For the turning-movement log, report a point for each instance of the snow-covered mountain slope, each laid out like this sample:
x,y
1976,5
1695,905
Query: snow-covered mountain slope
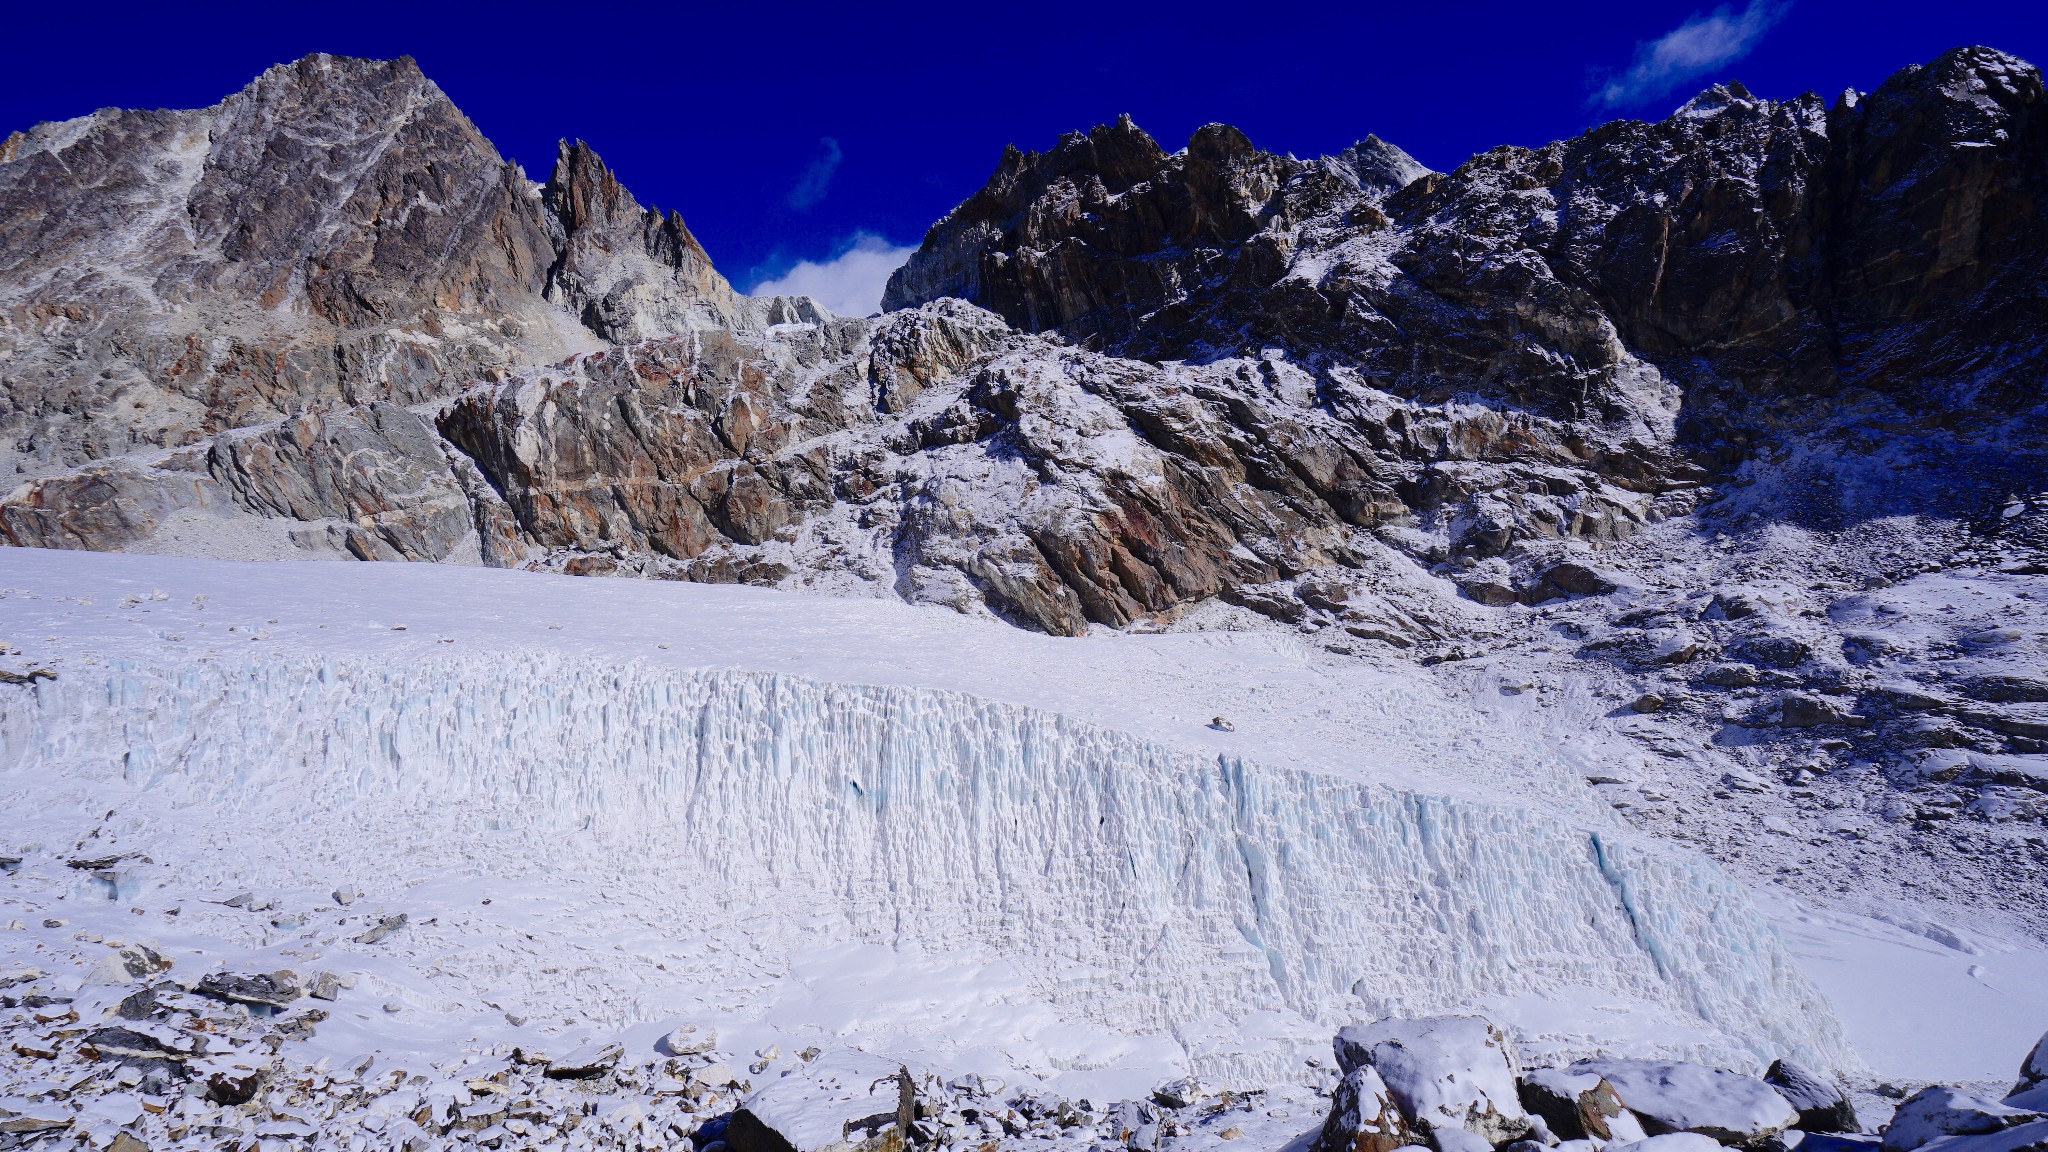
x,y
1131,885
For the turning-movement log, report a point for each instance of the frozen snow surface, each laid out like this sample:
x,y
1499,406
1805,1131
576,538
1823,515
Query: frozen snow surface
x,y
608,808
1921,1009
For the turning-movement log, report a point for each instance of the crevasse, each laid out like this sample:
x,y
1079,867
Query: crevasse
x,y
1141,886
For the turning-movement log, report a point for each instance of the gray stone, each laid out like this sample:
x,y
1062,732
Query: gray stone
x,y
1801,710
690,1040
273,990
1577,1105
586,1063
383,929
1445,1072
1673,1096
1822,1105
1939,1111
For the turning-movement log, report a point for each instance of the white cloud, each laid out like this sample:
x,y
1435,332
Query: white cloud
x,y
1694,48
850,283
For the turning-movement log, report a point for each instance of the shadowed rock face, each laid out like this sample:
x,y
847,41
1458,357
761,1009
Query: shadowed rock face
x,y
1114,383
1752,253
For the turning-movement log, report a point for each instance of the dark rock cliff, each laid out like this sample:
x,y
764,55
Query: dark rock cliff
x,y
1756,256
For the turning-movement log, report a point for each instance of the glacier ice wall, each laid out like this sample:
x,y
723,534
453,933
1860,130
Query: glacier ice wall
x,y
1141,886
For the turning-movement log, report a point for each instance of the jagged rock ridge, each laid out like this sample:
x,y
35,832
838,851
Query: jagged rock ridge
x,y
335,233
1206,371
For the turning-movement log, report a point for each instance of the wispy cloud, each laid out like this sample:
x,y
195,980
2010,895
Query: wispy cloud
x,y
1694,48
850,283
810,187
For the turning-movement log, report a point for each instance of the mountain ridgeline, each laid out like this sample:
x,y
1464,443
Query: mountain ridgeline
x,y
325,317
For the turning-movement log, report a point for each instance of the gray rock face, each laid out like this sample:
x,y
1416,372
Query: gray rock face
x,y
337,232
377,472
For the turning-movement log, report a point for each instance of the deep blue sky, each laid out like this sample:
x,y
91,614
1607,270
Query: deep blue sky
x,y
782,130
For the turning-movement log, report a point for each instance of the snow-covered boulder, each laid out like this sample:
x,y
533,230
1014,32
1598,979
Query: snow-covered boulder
x,y
586,1063
690,1040
1836,1142
844,1102
1460,1140
1364,1117
1672,1096
1933,1113
1822,1105
2034,1098
2034,1069
1576,1105
2018,1138
1670,1142
1448,1074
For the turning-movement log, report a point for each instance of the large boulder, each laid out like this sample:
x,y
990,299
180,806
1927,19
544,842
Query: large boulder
x,y
2034,1098
1364,1117
1822,1105
1578,1105
2018,1138
1671,1096
1448,1074
1670,1142
272,992
2034,1069
843,1102
589,1062
1933,1113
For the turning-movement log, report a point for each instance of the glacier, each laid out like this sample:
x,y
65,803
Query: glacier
x,y
1141,887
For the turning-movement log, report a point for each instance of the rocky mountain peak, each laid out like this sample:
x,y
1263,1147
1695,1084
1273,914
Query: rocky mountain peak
x,y
583,192
1939,186
1118,155
629,273
324,179
1379,168
1035,244
335,231
1716,100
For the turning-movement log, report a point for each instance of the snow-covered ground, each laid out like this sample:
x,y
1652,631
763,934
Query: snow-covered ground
x,y
612,807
